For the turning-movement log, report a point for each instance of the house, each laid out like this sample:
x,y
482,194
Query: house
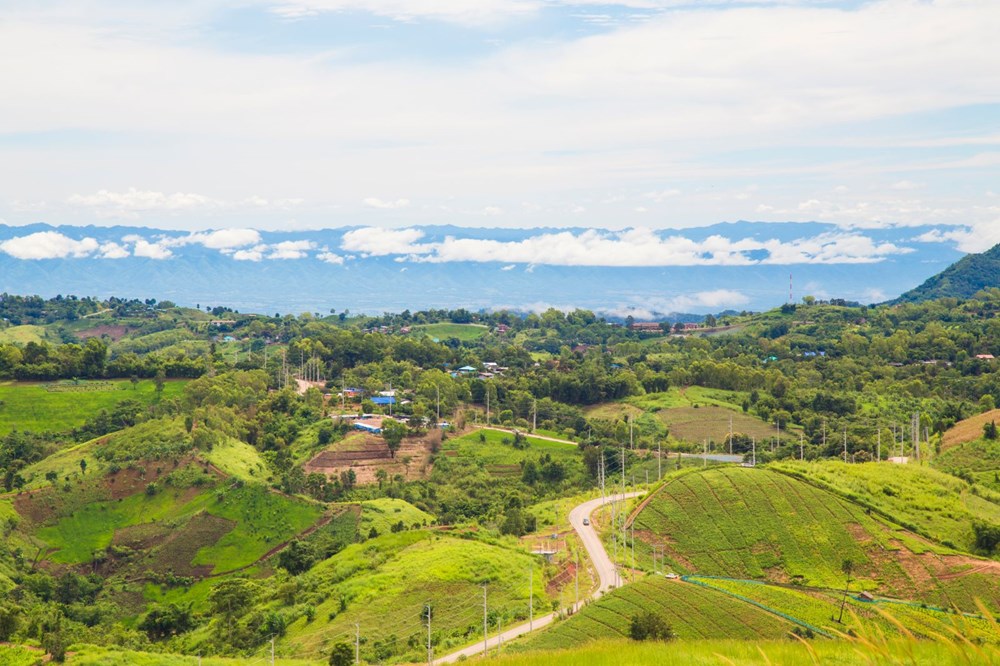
x,y
371,424
985,357
466,370
352,392
646,326
383,400
490,366
502,328
691,327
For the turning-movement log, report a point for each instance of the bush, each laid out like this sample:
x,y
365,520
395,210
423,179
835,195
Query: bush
x,y
649,627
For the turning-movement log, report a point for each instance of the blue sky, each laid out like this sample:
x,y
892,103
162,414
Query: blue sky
x,y
300,114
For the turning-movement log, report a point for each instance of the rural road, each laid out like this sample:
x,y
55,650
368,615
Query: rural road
x,y
598,555
526,434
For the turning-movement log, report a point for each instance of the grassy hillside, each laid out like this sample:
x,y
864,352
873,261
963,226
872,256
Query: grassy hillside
x,y
57,406
927,501
383,585
969,429
692,612
758,524
385,513
962,279
464,332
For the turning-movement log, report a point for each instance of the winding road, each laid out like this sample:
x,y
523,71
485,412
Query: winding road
x,y
603,565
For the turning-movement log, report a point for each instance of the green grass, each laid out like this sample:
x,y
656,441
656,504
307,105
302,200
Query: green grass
x,y
15,655
22,335
924,500
691,611
90,655
59,406
385,583
264,520
385,512
496,448
759,653
238,459
752,523
464,332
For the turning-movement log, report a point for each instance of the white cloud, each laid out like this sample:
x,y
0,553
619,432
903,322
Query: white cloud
x,y
133,201
508,267
143,248
479,12
290,249
375,242
48,245
374,202
112,250
631,247
224,239
975,238
250,254
331,258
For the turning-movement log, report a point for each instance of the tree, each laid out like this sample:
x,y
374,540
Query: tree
x,y
8,623
342,654
296,558
232,597
167,620
393,433
83,465
381,475
990,430
649,627
847,566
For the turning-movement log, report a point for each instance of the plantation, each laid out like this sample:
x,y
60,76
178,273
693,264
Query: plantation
x,y
385,514
691,612
752,523
924,500
497,448
57,406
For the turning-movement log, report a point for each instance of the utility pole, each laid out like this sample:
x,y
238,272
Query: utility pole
x,y
802,446
429,658
576,582
437,397
879,449
845,444
485,629
753,454
534,414
730,434
704,455
531,598
272,650
916,436
659,461
499,634
487,404
631,441
622,512
357,643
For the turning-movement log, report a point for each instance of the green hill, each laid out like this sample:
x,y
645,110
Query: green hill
x,y
759,524
692,612
962,279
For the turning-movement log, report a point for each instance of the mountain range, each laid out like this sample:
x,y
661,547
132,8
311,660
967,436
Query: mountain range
x,y
645,273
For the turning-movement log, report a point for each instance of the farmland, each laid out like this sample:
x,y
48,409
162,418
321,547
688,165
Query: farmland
x,y
931,503
968,429
58,406
692,612
749,523
464,332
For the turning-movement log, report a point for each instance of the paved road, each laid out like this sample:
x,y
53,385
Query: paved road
x,y
598,556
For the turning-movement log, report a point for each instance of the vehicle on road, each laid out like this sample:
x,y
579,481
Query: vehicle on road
x,y
586,521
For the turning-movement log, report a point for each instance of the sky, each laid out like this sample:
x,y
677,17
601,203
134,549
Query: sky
x,y
638,114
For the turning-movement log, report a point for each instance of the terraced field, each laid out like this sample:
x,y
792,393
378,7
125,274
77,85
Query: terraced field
x,y
761,525
692,612
924,500
751,523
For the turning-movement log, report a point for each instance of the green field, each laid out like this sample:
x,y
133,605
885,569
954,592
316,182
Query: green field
x,y
185,520
691,611
22,335
238,459
385,582
385,512
58,406
464,332
752,523
924,500
496,448
868,651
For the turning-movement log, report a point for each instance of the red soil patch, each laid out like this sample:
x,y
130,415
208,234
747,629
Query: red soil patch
x,y
371,454
115,333
562,579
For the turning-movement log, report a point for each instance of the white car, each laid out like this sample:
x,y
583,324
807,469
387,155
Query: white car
x,y
586,521
672,576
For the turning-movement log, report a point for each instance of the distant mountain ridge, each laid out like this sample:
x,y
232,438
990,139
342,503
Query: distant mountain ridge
x,y
727,266
963,279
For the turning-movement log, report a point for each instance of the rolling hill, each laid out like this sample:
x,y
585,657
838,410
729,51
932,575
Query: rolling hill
x,y
962,279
